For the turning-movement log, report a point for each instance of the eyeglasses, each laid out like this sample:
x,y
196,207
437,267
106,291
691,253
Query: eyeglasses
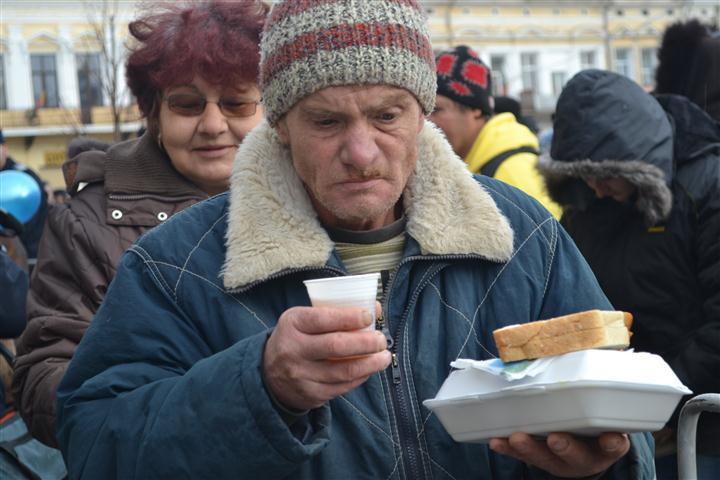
x,y
191,105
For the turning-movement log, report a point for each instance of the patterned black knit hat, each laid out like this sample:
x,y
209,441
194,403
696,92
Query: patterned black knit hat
x,y
463,77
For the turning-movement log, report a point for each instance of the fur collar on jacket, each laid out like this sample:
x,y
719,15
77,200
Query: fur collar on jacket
x,y
272,225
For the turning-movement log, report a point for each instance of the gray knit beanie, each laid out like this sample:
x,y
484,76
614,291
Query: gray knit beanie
x,y
308,45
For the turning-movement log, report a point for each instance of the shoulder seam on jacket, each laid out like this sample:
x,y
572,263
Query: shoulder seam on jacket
x,y
187,260
522,210
150,264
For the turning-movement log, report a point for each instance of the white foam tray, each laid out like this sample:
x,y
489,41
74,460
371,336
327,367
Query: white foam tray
x,y
586,393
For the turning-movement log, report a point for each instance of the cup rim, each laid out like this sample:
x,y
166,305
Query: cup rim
x,y
359,277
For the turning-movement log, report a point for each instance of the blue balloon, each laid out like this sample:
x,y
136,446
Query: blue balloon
x,y
19,195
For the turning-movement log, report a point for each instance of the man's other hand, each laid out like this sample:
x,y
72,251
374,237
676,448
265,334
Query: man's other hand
x,y
565,455
318,353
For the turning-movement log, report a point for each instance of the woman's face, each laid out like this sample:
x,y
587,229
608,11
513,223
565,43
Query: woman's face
x,y
202,142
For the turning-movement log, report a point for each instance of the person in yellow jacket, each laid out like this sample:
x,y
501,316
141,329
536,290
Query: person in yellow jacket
x,y
492,145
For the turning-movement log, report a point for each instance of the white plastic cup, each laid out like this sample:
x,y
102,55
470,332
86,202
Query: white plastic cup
x,y
348,291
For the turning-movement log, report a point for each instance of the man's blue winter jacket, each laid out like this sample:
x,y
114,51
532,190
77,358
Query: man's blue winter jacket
x,y
167,381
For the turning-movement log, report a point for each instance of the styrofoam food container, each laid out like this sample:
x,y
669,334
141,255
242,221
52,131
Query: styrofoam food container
x,y
585,393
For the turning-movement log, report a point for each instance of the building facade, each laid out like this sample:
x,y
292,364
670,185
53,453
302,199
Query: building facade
x,y
534,47
57,58
61,76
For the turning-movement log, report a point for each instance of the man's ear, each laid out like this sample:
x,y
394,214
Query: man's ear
x,y
282,131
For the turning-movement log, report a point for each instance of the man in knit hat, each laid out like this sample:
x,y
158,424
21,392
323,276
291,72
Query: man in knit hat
x,y
496,145
206,359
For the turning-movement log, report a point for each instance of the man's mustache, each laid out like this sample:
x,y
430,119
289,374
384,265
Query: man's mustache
x,y
355,175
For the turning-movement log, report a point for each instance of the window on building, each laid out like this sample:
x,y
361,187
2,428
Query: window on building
x,y
558,82
648,60
529,67
44,75
89,79
3,96
497,67
587,59
623,62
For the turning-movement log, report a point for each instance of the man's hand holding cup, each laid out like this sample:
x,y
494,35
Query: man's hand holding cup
x,y
318,353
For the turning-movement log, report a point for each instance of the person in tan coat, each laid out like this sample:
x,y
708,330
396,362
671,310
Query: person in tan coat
x,y
194,72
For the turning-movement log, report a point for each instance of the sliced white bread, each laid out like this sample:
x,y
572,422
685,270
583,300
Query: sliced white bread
x,y
569,333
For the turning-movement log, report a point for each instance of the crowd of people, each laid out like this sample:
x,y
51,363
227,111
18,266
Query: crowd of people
x,y
161,328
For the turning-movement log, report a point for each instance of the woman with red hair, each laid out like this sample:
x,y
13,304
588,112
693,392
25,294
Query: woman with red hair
x,y
193,70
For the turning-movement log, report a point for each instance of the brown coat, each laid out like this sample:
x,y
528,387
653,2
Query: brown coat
x,y
116,198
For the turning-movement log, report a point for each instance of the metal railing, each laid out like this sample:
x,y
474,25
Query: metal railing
x,y
687,428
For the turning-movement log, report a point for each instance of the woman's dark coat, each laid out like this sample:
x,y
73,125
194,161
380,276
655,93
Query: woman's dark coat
x,y
117,196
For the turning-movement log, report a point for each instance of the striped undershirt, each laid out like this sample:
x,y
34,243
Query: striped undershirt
x,y
371,251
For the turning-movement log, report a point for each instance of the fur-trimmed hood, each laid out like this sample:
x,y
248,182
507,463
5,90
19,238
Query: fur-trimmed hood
x,y
565,185
607,126
272,226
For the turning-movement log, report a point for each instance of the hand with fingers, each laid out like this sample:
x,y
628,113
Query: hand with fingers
x,y
563,454
318,353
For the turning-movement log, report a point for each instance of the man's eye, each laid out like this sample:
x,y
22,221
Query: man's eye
x,y
387,116
325,122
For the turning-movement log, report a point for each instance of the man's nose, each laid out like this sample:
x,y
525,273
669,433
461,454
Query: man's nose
x,y
360,147
597,186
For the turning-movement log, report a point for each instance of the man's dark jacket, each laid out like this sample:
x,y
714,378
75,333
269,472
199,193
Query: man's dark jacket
x,y
657,256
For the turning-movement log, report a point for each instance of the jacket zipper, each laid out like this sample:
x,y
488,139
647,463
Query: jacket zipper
x,y
142,196
409,441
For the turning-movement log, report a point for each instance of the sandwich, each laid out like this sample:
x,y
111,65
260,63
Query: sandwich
x,y
569,333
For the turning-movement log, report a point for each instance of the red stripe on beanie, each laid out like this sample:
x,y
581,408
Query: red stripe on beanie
x,y
344,36
475,73
294,7
445,64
